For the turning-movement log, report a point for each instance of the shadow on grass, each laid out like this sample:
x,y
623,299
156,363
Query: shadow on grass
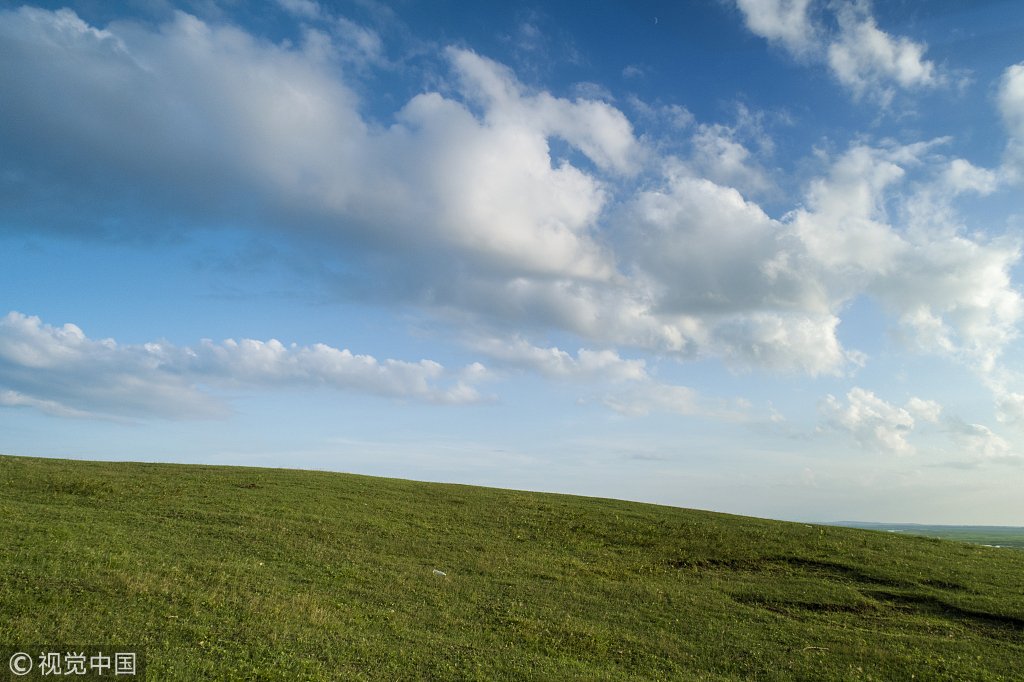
x,y
937,607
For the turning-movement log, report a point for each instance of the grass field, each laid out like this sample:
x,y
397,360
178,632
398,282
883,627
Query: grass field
x,y
256,574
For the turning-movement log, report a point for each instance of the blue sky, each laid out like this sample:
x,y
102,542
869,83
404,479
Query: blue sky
x,y
755,256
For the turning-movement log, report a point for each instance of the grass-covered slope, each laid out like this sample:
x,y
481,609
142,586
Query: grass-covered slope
x,y
236,573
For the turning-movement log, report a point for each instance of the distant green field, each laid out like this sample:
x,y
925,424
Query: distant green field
x,y
991,536
228,573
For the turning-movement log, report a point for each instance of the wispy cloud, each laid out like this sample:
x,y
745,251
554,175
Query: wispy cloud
x,y
559,365
978,442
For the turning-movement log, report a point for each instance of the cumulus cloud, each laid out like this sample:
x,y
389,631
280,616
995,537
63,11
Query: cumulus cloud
x,y
951,291
734,283
957,296
62,372
701,243
706,273
873,423
862,57
467,210
844,226
877,425
171,114
801,342
712,264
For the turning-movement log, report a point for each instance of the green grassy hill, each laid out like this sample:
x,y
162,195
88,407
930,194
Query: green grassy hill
x,y
257,574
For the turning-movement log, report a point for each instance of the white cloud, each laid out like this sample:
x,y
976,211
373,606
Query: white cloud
x,y
701,244
652,396
978,441
353,44
783,21
50,407
253,119
60,369
258,365
715,276
720,157
873,423
878,425
357,44
465,213
307,9
1010,409
679,400
559,365
1011,106
865,59
589,90
489,191
674,115
925,410
953,292
61,372
710,265
641,394
784,342
962,176
597,129
633,71
957,296
845,228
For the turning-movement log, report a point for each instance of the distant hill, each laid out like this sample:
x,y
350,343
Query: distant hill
x,y
232,573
